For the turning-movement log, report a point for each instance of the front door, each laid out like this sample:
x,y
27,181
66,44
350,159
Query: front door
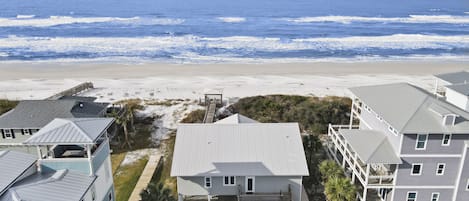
x,y
250,185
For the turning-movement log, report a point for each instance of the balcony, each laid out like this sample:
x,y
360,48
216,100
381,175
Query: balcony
x,y
75,157
365,154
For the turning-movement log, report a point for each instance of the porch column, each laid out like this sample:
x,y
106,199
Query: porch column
x,y
367,173
365,191
353,177
209,197
351,114
39,155
88,152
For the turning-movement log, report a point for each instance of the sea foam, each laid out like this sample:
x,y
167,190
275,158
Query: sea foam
x,y
448,19
63,20
177,44
232,19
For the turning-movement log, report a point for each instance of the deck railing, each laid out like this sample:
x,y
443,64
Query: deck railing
x,y
350,157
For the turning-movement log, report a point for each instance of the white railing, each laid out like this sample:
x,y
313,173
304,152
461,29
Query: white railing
x,y
351,158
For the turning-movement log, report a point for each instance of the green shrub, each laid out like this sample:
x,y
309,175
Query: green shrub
x,y
312,113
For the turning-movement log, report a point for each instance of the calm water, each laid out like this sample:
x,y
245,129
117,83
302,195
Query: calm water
x,y
195,31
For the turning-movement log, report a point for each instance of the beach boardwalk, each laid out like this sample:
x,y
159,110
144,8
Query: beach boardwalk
x,y
145,177
213,99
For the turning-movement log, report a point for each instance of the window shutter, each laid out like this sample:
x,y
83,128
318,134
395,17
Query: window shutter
x,y
3,134
13,134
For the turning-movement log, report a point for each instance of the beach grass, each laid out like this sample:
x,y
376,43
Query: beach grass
x,y
116,160
126,178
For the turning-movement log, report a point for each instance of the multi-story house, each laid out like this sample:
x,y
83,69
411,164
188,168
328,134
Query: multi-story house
x,y
239,159
73,163
20,123
404,144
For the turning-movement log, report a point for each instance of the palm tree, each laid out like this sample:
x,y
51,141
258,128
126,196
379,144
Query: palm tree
x,y
156,193
340,189
330,169
122,120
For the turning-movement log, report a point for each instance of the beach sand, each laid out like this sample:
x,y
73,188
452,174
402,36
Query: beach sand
x,y
189,81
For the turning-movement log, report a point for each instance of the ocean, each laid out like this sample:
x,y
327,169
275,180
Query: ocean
x,y
233,31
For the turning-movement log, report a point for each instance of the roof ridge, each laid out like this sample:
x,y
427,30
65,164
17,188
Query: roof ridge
x,y
377,147
81,130
415,111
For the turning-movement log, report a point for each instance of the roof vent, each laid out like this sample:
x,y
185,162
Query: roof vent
x,y
81,105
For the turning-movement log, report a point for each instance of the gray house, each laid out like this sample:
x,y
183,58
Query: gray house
x,y
404,144
74,166
239,158
18,124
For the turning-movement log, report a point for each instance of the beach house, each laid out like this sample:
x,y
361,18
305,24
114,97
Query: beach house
x,y
404,143
73,164
20,123
238,158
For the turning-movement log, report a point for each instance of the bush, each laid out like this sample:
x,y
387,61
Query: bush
x,y
312,113
6,105
196,116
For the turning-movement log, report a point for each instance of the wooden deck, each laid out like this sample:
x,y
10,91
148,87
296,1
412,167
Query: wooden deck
x,y
72,91
210,112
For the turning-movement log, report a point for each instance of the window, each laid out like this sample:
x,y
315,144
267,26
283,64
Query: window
x,y
440,169
446,140
229,181
110,196
449,120
416,169
411,196
8,134
421,141
26,132
435,196
208,182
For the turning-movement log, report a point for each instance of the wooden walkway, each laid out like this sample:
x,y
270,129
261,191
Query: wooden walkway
x,y
72,91
145,177
210,112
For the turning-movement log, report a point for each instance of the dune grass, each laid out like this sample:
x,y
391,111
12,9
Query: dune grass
x,y
126,177
116,160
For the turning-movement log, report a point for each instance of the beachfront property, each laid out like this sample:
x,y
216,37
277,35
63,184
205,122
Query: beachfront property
x,y
404,143
238,158
75,165
20,123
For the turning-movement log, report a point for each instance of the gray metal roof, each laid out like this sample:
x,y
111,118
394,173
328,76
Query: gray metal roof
x,y
70,131
260,149
461,77
410,109
371,146
460,88
38,113
236,119
12,166
52,186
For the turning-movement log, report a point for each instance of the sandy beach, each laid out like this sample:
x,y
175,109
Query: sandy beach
x,y
189,81
46,70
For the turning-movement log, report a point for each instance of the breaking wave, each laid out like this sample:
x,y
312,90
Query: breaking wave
x,y
449,19
232,19
189,42
29,20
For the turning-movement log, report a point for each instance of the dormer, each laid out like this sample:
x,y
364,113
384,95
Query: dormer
x,y
448,118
